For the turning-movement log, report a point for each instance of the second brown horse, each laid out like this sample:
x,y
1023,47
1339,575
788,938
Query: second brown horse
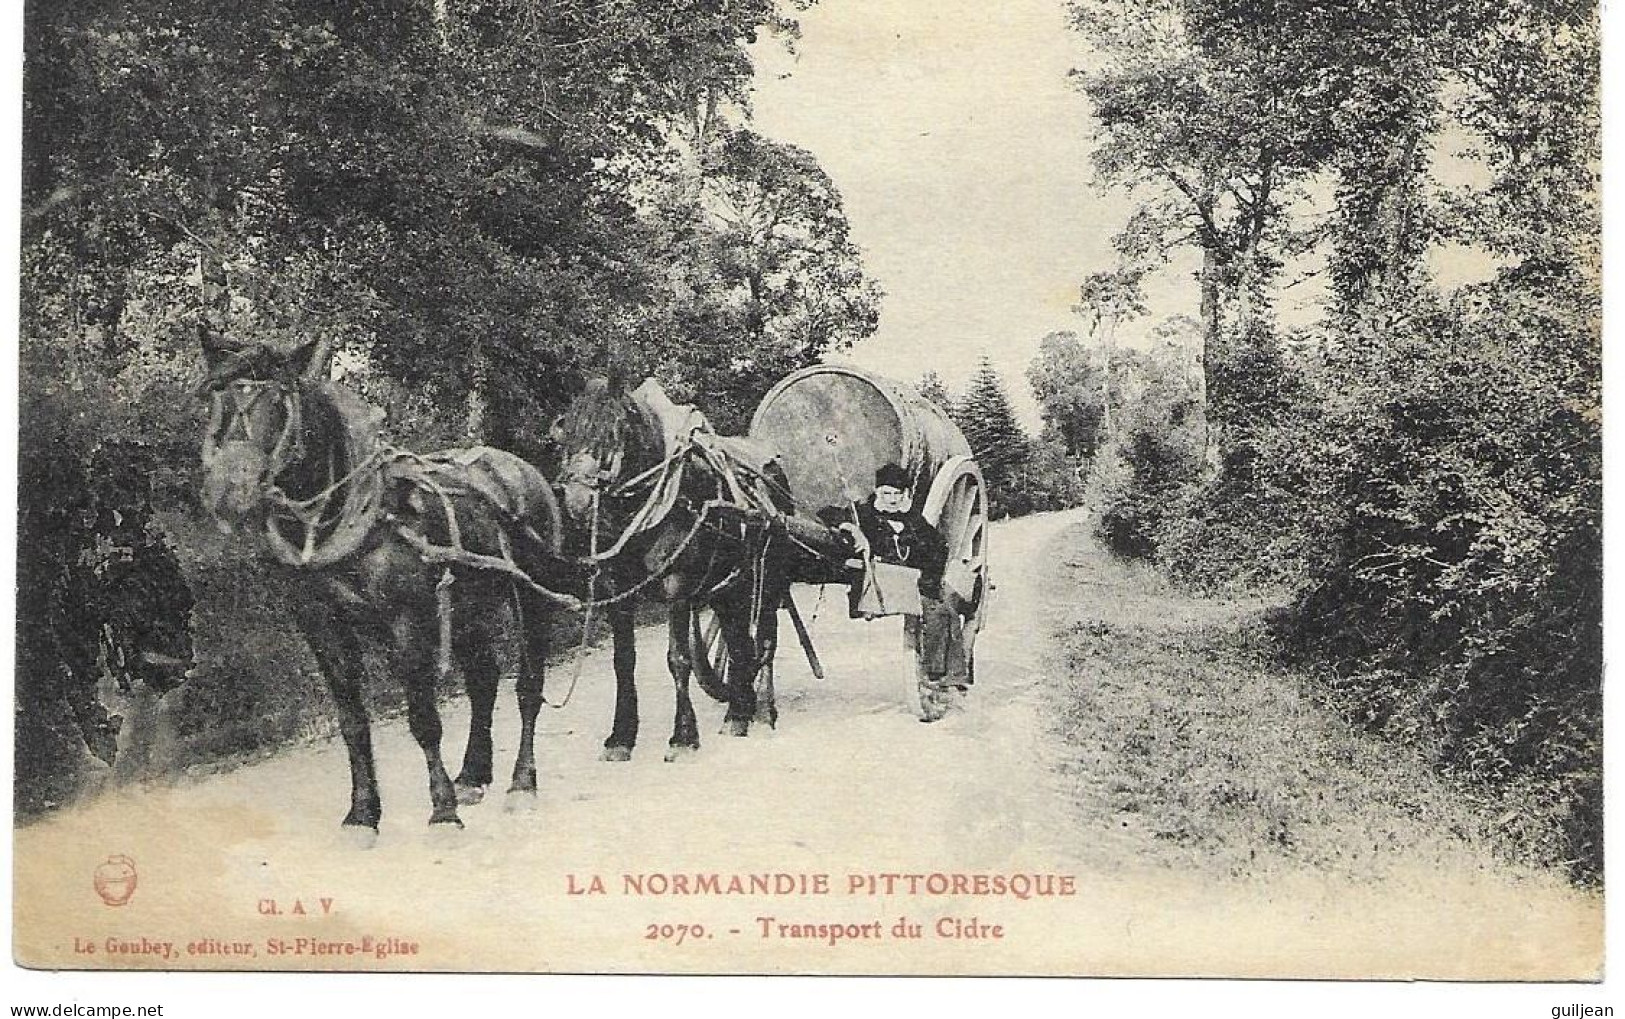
x,y
655,515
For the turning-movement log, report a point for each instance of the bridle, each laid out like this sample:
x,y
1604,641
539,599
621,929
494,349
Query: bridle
x,y
231,419
323,523
601,482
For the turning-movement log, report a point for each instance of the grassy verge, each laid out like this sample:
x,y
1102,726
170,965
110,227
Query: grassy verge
x,y
1184,734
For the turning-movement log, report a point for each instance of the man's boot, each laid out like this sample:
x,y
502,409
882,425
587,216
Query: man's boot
x,y
935,698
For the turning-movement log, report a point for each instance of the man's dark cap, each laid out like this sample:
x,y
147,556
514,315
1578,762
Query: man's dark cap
x,y
893,476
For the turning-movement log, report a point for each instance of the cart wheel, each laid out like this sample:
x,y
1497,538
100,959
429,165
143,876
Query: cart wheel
x,y
957,506
708,652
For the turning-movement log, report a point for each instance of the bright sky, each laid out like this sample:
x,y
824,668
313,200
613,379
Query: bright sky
x,y
962,151
963,155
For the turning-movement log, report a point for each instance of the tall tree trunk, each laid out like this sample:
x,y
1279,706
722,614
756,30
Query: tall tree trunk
x,y
442,17
1378,262
478,401
1107,349
1212,311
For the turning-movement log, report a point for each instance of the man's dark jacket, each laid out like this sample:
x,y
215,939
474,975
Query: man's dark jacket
x,y
917,545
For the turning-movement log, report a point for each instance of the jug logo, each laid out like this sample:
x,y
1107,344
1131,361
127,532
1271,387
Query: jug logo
x,y
114,880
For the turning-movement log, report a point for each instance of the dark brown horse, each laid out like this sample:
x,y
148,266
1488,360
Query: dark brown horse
x,y
659,516
422,552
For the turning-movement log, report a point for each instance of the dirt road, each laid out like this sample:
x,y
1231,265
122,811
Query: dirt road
x,y
850,787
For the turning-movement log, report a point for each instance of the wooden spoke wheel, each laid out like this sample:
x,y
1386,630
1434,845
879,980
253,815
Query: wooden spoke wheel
x,y
707,649
957,506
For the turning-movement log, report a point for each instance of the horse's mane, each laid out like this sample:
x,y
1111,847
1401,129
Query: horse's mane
x,y
597,421
325,439
336,502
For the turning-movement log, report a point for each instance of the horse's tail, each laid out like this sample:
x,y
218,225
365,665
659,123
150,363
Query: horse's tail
x,y
709,679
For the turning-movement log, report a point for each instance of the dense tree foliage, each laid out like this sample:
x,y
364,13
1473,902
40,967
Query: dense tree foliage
x,y
480,199
934,389
1152,452
1421,468
767,278
1071,392
1215,114
472,204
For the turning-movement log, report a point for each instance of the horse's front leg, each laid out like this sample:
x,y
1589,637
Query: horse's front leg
x,y
624,736
767,644
533,634
734,614
416,631
338,655
685,730
476,653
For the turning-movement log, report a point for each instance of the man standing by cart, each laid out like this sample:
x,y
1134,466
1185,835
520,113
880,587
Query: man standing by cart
x,y
887,528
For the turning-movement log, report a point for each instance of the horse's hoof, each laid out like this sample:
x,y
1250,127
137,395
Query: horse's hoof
x,y
768,718
468,795
680,752
446,819
736,726
616,754
521,801
360,836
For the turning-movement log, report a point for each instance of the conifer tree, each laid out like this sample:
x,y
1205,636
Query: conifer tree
x,y
1000,444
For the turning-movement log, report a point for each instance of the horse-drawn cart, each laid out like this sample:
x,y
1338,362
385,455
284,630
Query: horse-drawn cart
x,y
829,427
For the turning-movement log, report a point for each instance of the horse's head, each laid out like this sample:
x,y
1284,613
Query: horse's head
x,y
592,437
255,429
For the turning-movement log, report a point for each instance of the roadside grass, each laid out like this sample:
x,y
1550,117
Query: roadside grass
x,y
1180,730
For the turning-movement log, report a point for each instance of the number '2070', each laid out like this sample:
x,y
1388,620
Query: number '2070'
x,y
675,932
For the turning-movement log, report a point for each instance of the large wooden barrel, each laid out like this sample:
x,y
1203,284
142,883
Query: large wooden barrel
x,y
831,426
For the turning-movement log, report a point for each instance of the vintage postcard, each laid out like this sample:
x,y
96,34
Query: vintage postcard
x,y
926,487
